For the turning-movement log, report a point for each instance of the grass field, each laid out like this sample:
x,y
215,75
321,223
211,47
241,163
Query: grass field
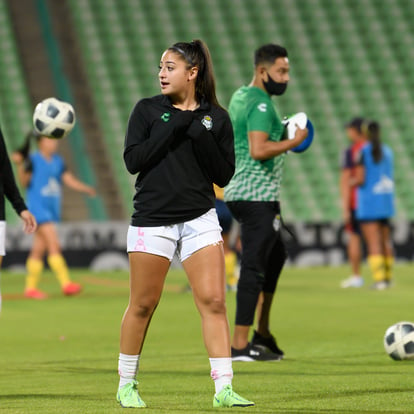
x,y
60,355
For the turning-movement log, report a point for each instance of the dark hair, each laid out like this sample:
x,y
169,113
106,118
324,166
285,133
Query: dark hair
x,y
24,149
269,53
196,53
372,131
356,123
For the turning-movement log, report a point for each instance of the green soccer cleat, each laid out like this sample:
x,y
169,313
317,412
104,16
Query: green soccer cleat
x,y
228,398
128,396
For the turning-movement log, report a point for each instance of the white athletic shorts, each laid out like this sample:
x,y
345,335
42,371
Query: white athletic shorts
x,y
2,238
183,238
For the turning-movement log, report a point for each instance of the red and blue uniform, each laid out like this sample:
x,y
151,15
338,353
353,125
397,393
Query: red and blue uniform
x,y
350,161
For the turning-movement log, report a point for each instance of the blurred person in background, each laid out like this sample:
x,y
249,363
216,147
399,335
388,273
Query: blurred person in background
x,y
179,142
9,190
253,198
226,222
349,201
43,173
374,179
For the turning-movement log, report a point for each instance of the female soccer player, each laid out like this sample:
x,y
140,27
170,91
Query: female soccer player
x,y
43,173
349,201
374,177
8,188
180,143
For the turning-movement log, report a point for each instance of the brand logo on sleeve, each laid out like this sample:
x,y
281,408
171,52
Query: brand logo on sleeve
x,y
207,121
262,107
165,116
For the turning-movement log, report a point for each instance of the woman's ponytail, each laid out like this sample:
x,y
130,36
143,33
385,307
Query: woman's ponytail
x,y
196,53
372,130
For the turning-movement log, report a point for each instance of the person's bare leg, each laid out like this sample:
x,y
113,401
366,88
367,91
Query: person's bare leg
x,y
34,266
354,253
50,236
39,245
147,276
240,336
388,251
387,247
372,236
205,271
264,306
55,259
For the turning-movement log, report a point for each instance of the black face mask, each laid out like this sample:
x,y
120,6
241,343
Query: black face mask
x,y
274,88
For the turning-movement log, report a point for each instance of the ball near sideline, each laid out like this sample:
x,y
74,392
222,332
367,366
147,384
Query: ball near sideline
x,y
399,341
54,118
302,121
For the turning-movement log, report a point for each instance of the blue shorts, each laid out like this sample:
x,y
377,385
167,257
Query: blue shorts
x,y
224,216
45,213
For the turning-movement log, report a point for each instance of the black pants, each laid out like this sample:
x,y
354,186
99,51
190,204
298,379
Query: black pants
x,y
263,254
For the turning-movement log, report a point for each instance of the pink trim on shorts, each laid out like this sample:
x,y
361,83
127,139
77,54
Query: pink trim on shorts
x,y
140,244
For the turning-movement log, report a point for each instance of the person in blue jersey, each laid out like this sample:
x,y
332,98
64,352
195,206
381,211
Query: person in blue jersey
x,y
43,173
374,178
9,190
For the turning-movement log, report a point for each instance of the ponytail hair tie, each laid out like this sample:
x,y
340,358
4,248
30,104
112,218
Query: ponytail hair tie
x,y
182,53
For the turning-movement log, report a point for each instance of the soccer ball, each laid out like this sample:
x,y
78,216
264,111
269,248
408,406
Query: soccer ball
x,y
53,118
399,341
300,119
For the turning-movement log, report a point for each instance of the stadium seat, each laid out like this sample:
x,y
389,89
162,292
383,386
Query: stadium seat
x,y
343,55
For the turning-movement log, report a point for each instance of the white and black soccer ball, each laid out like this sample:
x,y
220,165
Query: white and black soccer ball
x,y
399,341
53,118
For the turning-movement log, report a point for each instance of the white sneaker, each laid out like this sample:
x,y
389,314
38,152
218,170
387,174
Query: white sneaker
x,y
352,282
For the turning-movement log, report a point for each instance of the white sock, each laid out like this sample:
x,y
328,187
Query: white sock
x,y
127,368
221,372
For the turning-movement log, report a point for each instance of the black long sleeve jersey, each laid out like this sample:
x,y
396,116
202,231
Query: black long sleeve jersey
x,y
178,155
8,187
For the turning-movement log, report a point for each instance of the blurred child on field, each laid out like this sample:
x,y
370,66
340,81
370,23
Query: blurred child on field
x,y
43,172
374,178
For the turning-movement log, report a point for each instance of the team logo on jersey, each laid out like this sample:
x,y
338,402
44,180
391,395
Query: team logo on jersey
x,y
207,121
51,189
262,107
384,186
165,116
